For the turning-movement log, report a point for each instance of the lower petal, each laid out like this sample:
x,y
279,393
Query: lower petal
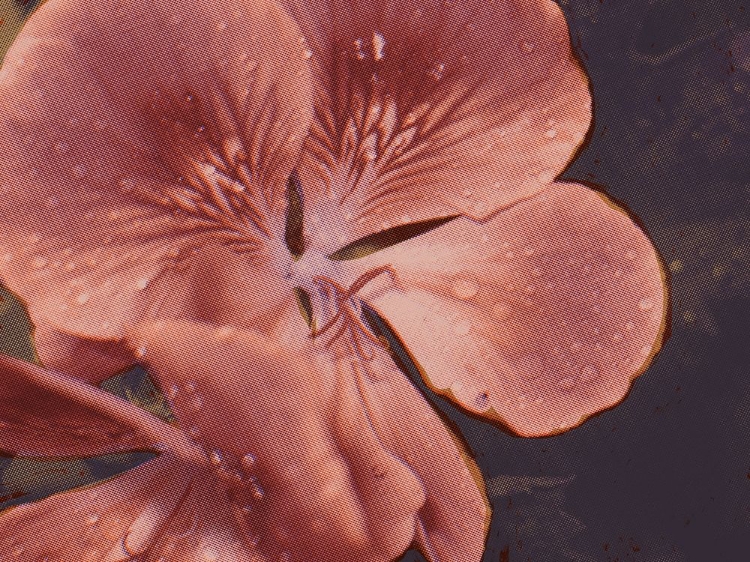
x,y
162,509
314,480
454,520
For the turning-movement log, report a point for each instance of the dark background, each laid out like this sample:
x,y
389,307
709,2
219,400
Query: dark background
x,y
665,476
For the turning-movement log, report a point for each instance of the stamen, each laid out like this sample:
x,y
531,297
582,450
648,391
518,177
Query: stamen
x,y
348,311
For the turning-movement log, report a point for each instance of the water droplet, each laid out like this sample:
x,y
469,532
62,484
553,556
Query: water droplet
x,y
7,257
79,171
92,519
257,491
216,458
589,373
646,304
209,555
140,351
646,350
550,133
567,383
224,333
196,402
248,462
82,298
462,327
465,288
501,311
378,43
358,49
307,54
527,47
546,176
482,400
142,283
126,185
39,262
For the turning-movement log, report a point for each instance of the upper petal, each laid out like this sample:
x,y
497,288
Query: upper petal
x,y
539,317
428,108
139,142
316,480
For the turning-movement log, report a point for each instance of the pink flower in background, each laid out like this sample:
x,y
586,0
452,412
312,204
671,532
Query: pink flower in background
x,y
181,179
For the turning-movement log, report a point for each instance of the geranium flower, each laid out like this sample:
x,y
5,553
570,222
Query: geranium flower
x,y
182,179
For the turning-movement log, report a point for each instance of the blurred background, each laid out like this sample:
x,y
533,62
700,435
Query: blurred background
x,y
665,476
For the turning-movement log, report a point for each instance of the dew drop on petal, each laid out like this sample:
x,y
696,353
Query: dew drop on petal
x,y
646,304
307,54
82,298
589,373
378,43
567,383
482,400
462,327
248,461
550,133
527,47
501,311
142,283
39,262
92,519
209,555
465,288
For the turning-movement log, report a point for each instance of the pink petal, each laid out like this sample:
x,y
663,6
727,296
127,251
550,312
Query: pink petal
x,y
429,108
456,516
317,482
139,141
159,510
89,360
538,318
44,413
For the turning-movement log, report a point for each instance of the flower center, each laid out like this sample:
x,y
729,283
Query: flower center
x,y
336,310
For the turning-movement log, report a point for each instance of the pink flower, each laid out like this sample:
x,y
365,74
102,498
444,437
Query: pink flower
x,y
180,177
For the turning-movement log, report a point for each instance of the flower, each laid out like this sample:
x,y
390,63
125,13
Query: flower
x,y
180,178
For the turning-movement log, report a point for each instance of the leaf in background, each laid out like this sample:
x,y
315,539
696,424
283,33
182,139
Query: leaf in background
x,y
136,387
15,328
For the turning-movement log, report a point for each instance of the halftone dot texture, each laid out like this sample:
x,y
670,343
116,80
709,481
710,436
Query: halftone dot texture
x,y
147,224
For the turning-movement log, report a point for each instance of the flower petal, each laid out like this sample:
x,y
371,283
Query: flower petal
x,y
43,413
454,521
138,141
160,510
316,481
429,108
538,318
89,360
